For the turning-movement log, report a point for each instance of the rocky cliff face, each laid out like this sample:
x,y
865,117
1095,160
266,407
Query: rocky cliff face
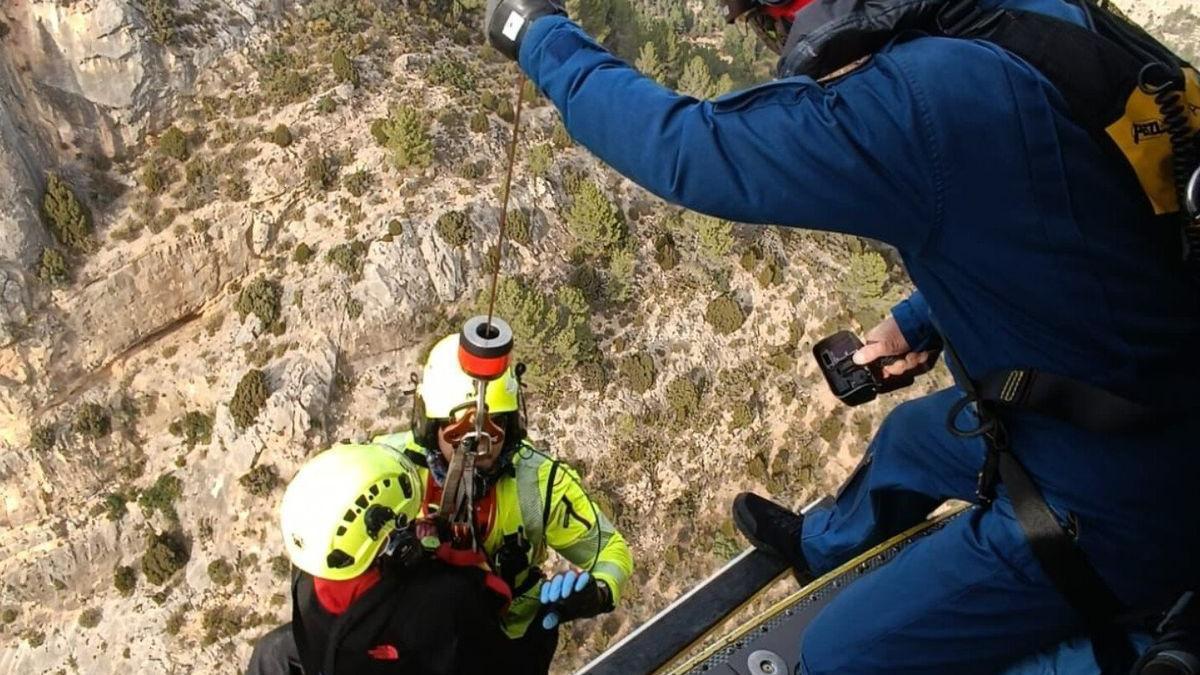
x,y
138,487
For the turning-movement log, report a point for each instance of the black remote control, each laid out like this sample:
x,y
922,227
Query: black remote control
x,y
851,383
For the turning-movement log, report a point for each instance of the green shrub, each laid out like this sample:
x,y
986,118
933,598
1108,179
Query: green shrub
x,y
454,73
43,437
378,132
194,427
160,19
282,135
474,170
454,228
683,398
347,257
114,506
505,111
175,622
560,138
161,496
519,227
9,615
326,105
405,134
260,481
343,67
724,315
715,236
249,398
92,420
478,122
281,75
66,217
220,572
174,144
260,298
320,171
589,282
831,428
665,252
281,567
743,415
153,178
35,638
302,253
638,372
540,159
621,267
90,617
358,183
595,221
395,228
52,267
166,553
554,329
221,623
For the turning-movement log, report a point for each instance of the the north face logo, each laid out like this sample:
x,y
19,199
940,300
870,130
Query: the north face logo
x,y
384,653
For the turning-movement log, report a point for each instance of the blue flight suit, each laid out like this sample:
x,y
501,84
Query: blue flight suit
x,y
1030,249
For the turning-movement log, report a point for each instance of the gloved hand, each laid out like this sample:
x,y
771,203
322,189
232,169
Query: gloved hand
x,y
507,21
574,595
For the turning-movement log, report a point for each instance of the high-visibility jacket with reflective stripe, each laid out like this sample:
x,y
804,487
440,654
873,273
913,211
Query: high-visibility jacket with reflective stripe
x,y
574,525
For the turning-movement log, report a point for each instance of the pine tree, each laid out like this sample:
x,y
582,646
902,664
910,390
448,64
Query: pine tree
x,y
696,79
68,219
406,134
649,63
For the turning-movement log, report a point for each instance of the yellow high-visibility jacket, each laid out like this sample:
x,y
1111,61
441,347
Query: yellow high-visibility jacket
x,y
560,516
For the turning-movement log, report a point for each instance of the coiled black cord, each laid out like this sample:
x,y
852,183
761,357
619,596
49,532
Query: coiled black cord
x,y
1170,96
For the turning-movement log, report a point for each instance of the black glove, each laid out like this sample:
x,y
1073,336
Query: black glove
x,y
507,21
573,595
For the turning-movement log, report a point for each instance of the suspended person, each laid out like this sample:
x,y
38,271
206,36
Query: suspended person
x,y
1041,246
527,504
367,597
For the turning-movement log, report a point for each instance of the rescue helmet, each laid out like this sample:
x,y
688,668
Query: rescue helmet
x,y
770,19
446,390
343,504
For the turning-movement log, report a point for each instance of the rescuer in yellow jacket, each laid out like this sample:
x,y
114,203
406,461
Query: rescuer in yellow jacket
x,y
527,503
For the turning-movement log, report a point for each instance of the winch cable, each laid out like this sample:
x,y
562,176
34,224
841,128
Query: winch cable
x,y
508,176
460,497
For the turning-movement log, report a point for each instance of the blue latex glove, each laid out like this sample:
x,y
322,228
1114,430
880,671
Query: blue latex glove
x,y
558,590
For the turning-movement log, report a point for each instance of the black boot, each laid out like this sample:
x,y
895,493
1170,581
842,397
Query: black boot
x,y
773,529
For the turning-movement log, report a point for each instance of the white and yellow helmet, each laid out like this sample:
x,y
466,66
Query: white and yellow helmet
x,y
446,389
342,505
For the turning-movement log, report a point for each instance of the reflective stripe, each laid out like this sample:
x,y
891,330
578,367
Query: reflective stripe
x,y
529,494
611,573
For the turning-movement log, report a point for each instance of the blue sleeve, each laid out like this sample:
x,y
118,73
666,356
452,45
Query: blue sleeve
x,y
851,157
916,322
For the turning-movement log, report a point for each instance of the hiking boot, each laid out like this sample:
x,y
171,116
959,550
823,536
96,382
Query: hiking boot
x,y
773,529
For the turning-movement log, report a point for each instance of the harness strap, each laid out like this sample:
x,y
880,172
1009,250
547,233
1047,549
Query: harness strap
x,y
1053,545
1078,403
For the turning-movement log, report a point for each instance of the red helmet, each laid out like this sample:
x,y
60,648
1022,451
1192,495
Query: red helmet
x,y
771,19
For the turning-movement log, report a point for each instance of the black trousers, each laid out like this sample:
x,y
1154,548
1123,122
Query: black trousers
x,y
275,654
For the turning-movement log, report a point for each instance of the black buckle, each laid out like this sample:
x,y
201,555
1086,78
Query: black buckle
x,y
964,18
